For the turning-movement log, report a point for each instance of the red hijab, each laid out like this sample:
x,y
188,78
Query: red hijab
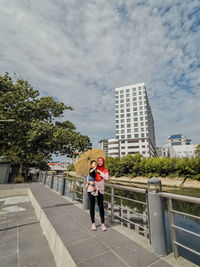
x,y
102,169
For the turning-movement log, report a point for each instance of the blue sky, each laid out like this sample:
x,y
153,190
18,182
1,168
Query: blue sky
x,y
79,51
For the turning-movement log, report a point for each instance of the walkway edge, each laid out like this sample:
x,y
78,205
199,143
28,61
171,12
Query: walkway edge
x,y
61,255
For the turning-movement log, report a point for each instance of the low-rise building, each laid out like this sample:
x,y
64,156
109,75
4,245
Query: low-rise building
x,y
103,145
178,146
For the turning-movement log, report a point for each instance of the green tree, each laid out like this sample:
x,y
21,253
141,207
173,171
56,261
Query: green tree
x,y
36,132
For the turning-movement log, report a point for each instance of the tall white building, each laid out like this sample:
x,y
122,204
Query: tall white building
x,y
134,123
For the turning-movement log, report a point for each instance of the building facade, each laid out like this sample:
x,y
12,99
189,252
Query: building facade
x,y
103,145
178,146
134,123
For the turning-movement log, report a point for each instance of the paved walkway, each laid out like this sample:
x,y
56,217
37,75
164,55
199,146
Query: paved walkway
x,y
88,248
21,240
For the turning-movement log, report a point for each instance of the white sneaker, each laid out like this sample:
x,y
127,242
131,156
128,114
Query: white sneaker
x,y
93,227
103,227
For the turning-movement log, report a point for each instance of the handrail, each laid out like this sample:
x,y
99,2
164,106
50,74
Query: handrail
x,y
127,188
195,200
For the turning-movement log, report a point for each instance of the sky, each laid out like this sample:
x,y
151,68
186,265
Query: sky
x,y
79,51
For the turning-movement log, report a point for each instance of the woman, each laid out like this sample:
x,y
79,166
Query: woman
x,y
102,175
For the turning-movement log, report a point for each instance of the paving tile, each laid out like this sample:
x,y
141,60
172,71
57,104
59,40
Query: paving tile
x,y
112,238
9,261
160,263
8,236
135,256
8,249
109,259
73,235
90,247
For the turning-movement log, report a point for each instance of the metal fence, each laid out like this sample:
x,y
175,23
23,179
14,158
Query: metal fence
x,y
129,211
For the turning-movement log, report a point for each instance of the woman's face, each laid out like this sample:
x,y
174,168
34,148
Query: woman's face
x,y
100,162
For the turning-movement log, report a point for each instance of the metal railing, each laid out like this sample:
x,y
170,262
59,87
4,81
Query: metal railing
x,y
125,215
173,226
131,217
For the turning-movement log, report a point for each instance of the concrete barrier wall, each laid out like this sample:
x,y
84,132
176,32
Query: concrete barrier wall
x,y
59,251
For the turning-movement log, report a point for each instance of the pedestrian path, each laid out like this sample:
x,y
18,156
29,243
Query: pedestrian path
x,y
21,240
85,247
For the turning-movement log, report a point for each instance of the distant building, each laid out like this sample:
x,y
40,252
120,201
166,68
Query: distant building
x,y
103,145
58,166
134,123
178,146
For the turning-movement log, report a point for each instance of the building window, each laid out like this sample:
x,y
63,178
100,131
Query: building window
x,y
116,106
128,125
117,121
136,130
142,123
145,107
141,118
140,93
127,90
116,116
134,89
122,136
135,114
134,98
141,107
122,121
140,103
116,97
117,132
142,135
117,136
135,119
122,101
146,118
117,126
128,100
128,110
140,97
127,105
127,95
142,129
145,112
136,135
128,120
128,130
122,116
122,131
141,113
134,109
134,94
116,102
116,111
128,114
135,124
122,126
122,106
121,91
134,103
147,129
129,136
121,110
147,134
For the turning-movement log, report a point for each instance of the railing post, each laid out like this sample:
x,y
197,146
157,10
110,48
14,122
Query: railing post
x,y
85,195
73,190
112,204
51,180
156,217
172,230
62,185
45,177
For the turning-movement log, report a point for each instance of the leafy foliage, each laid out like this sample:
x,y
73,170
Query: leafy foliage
x,y
36,132
138,166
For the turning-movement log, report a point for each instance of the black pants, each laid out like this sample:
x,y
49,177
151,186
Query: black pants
x,y
92,206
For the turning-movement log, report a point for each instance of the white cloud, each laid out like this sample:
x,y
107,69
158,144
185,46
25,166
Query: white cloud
x,y
79,51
